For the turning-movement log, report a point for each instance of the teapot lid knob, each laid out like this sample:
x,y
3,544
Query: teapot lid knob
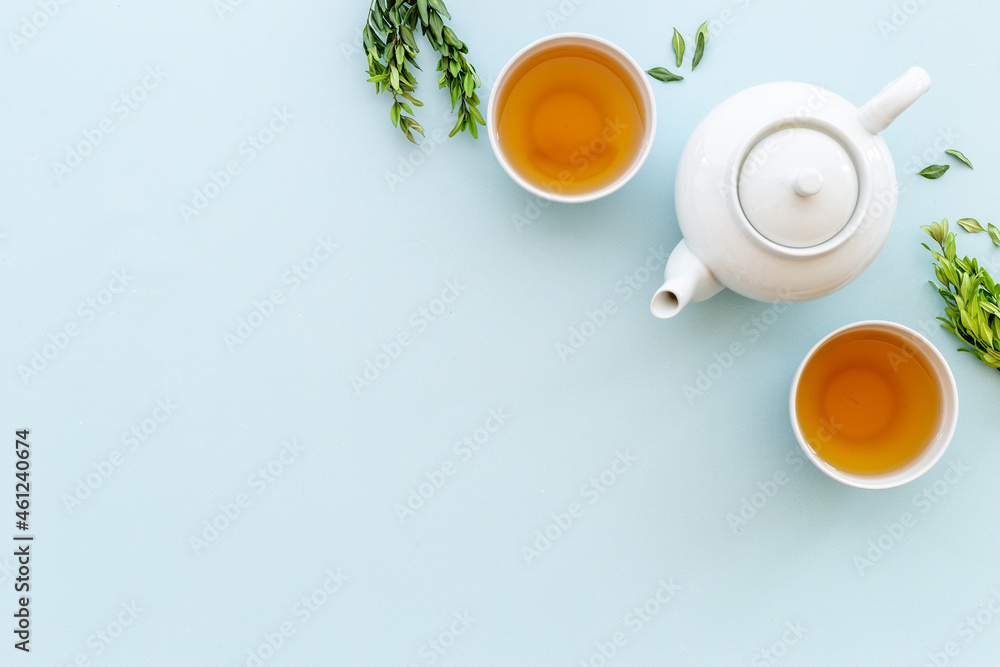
x,y
798,187
808,182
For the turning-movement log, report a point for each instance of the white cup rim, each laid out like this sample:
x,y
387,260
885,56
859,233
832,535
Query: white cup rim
x,y
645,90
932,453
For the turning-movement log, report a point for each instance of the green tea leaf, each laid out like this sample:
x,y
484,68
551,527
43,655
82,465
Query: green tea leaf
x,y
438,6
451,39
952,151
678,43
970,225
477,116
437,27
661,74
416,102
422,8
994,234
700,39
933,171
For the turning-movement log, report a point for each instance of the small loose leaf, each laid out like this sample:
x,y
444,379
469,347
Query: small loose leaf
x,y
661,74
958,154
933,171
994,234
678,43
700,39
971,225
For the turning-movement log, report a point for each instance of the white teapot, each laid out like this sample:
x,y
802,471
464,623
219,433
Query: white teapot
x,y
785,192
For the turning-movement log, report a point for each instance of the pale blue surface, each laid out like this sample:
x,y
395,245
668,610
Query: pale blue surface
x,y
519,293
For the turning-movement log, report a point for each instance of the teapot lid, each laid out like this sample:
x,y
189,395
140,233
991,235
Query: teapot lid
x,y
798,187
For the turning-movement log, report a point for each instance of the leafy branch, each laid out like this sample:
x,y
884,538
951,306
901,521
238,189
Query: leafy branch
x,y
972,298
391,49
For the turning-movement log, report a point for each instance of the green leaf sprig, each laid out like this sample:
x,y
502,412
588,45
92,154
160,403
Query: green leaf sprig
x,y
972,298
391,50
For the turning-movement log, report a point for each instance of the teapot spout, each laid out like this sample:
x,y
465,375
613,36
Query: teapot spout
x,y
686,279
882,109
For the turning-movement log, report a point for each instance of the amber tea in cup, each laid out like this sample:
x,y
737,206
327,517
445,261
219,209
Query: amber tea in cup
x,y
571,117
874,404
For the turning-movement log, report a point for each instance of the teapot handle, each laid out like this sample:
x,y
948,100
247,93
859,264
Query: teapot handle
x,y
882,109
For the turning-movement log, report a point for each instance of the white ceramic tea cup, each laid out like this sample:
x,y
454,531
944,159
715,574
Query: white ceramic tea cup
x,y
640,86
944,425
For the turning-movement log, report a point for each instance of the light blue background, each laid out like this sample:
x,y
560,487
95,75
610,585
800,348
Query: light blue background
x,y
522,289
